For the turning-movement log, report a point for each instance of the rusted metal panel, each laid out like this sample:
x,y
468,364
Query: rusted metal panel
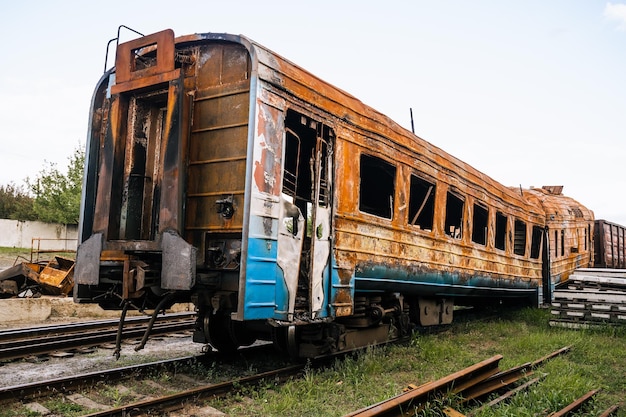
x,y
129,74
57,276
610,245
570,231
218,141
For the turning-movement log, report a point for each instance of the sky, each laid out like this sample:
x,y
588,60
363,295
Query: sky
x,y
529,92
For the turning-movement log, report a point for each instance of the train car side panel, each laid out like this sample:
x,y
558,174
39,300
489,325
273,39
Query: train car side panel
x,y
610,240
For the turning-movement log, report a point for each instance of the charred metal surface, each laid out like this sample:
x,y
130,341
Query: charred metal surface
x,y
179,263
87,269
131,75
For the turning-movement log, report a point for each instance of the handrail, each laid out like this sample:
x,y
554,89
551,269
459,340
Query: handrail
x,y
117,39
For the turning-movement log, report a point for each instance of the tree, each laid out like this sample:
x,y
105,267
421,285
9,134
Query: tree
x,y
57,194
15,203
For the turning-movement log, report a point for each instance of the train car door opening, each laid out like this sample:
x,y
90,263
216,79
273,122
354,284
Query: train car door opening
x,y
306,215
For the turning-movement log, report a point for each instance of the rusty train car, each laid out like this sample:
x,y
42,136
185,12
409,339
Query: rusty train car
x,y
610,241
287,210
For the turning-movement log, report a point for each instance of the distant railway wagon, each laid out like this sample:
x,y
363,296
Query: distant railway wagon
x,y
610,251
287,210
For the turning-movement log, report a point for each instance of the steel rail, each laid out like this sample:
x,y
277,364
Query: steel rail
x,y
37,331
206,391
85,329
508,377
30,347
416,397
575,405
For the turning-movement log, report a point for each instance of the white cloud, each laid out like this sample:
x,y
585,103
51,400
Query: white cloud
x,y
617,12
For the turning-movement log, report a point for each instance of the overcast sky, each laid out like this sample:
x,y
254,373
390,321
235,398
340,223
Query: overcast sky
x,y
529,92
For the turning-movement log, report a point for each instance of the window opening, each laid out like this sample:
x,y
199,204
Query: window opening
x,y
535,243
562,242
454,215
519,242
576,241
421,203
556,243
480,220
292,162
377,186
501,226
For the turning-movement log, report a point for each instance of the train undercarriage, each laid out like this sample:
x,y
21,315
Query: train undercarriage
x,y
378,318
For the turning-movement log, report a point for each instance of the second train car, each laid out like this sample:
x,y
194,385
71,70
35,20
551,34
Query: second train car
x,y
285,209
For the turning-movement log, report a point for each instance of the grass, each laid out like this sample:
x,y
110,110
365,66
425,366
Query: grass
x,y
597,360
10,255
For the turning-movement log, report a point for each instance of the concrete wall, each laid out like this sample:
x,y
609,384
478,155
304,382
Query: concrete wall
x,y
51,236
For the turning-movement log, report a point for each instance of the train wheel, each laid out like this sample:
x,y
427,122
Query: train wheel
x,y
241,334
218,329
285,340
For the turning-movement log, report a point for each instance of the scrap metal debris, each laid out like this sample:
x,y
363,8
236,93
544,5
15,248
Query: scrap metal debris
x,y
31,280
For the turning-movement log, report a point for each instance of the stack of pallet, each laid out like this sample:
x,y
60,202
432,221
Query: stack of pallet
x,y
589,297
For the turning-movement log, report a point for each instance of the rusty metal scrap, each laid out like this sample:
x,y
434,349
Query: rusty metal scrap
x,y
575,405
471,383
29,279
56,278
16,279
418,396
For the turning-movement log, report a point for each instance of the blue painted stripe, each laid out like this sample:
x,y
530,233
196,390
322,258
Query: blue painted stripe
x,y
442,284
261,277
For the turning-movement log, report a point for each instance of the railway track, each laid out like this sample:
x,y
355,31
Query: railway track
x,y
85,389
36,341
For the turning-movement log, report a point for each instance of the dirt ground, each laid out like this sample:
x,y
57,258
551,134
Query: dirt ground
x,y
22,372
8,259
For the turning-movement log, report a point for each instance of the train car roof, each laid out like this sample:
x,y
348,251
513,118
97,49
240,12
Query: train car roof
x,y
284,74
557,205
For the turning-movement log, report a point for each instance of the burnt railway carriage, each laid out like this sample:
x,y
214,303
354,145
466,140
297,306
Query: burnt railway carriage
x,y
285,209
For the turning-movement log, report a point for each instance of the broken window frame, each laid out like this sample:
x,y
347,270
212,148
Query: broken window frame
x,y
421,202
290,179
377,186
455,206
